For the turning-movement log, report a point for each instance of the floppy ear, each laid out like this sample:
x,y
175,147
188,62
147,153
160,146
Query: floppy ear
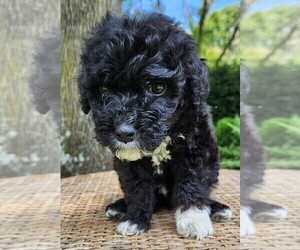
x,y
83,92
198,77
39,92
41,105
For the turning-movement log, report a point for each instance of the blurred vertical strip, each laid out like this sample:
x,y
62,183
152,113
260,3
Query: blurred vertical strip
x,y
81,153
270,122
30,118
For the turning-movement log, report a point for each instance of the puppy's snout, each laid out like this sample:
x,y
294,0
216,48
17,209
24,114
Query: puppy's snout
x,y
125,132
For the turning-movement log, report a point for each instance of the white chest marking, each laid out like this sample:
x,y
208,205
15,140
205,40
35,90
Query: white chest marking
x,y
161,154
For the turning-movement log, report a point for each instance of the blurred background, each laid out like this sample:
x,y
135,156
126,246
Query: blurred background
x,y
270,46
270,49
29,141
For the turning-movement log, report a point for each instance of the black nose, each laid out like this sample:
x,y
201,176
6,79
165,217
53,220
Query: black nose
x,y
125,132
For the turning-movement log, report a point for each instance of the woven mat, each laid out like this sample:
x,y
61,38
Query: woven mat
x,y
30,217
281,188
30,212
84,225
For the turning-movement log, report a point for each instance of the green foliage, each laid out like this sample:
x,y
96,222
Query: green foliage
x,y
228,130
274,83
217,31
281,131
281,138
274,91
224,96
264,30
228,135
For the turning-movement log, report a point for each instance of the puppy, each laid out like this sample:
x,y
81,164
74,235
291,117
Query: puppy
x,y
146,89
253,165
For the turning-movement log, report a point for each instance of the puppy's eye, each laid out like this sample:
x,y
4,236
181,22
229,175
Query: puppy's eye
x,y
157,88
103,89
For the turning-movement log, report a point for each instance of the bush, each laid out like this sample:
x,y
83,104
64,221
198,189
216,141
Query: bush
x,y
280,137
224,95
228,135
275,90
280,131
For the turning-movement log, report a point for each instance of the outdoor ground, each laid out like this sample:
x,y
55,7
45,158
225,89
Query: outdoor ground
x,y
36,213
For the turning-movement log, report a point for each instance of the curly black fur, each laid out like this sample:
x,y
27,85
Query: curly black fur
x,y
126,55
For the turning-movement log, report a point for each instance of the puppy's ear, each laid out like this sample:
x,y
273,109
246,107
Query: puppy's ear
x,y
39,92
83,93
41,105
85,105
198,77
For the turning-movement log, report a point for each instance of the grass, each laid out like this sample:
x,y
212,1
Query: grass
x,y
280,137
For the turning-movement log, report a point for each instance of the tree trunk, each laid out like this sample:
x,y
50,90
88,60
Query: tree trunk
x,y
204,10
81,153
230,41
281,44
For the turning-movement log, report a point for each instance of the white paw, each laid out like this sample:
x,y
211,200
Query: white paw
x,y
246,224
127,228
276,213
194,222
112,213
225,214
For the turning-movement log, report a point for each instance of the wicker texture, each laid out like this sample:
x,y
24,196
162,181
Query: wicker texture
x,y
29,212
30,217
281,187
84,225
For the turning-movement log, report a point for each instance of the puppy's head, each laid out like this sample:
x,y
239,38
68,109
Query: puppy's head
x,y
138,76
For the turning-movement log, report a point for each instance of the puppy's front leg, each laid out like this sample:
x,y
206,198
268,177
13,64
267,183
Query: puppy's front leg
x,y
192,215
138,191
194,177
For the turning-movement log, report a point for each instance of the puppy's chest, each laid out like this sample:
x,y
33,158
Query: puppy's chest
x,y
163,157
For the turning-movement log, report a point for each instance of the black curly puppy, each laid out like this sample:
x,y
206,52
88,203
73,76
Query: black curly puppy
x,y
147,89
253,165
